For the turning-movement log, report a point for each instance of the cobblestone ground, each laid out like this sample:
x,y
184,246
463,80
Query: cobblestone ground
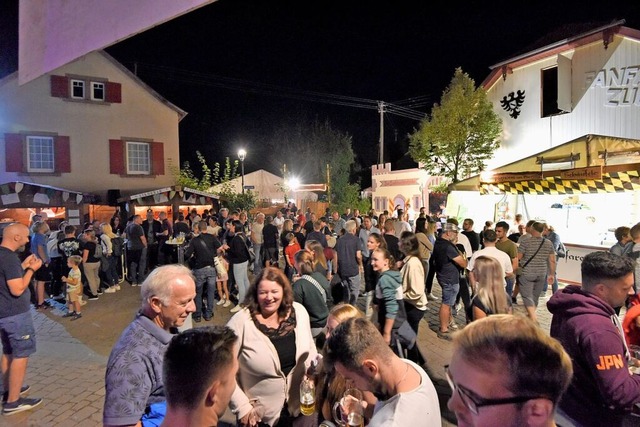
x,y
68,368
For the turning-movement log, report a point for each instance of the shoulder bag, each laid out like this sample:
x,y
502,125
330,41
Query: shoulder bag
x,y
521,268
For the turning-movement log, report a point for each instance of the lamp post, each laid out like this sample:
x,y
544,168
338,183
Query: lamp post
x,y
241,155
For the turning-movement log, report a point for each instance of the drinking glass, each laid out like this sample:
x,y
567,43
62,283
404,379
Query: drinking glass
x,y
349,411
307,396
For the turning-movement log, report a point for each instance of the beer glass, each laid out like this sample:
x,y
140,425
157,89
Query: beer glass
x,y
349,411
307,396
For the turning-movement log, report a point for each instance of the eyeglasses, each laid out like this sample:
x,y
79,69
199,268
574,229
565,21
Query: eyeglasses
x,y
475,403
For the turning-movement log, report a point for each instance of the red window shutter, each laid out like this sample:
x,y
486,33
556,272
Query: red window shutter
x,y
114,92
116,157
60,86
63,154
14,152
157,158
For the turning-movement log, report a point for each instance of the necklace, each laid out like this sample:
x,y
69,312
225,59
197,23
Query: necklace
x,y
406,371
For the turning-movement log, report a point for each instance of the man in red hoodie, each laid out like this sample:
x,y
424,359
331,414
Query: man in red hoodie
x,y
603,391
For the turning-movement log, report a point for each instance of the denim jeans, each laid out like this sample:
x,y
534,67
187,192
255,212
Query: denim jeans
x,y
351,287
257,265
205,275
242,280
510,282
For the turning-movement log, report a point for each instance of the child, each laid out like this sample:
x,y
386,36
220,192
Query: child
x,y
222,267
289,252
74,287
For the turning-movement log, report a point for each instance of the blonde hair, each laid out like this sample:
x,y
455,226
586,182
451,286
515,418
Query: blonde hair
x,y
287,225
75,259
490,277
107,230
342,312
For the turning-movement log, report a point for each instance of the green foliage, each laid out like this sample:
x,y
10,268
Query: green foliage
x,y
185,177
461,133
308,147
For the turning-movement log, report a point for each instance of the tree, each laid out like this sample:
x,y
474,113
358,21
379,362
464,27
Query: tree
x,y
460,134
307,147
185,177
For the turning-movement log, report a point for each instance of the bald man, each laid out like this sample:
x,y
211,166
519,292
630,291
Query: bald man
x,y
16,325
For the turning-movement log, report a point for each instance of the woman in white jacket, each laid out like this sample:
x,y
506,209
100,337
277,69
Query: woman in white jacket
x,y
275,348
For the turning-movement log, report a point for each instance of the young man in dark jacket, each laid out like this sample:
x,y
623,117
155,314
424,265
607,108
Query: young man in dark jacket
x,y
603,391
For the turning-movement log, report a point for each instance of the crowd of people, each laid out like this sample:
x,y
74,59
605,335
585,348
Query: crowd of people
x,y
337,300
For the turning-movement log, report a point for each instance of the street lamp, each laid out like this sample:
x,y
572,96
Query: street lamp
x,y
241,155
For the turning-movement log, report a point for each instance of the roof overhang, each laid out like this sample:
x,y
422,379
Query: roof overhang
x,y
169,195
593,170
604,33
19,194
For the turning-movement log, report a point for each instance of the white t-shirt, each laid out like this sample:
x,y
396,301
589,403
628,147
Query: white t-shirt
x,y
495,253
278,222
418,407
464,241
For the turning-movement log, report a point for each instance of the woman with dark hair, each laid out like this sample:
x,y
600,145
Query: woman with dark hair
x,y
274,348
415,299
374,241
238,257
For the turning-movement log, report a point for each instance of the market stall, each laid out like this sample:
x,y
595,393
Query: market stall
x,y
174,197
20,200
584,188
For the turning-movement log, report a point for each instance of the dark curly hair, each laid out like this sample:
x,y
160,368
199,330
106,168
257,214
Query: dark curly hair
x,y
275,275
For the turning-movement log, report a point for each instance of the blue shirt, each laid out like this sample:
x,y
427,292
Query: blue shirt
x,y
133,380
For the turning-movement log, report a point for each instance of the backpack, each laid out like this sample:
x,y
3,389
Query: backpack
x,y
98,253
117,244
52,244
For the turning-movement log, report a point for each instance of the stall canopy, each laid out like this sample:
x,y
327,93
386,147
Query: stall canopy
x,y
18,194
589,164
164,196
175,196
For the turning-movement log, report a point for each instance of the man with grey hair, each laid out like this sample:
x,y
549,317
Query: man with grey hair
x,y
133,380
349,262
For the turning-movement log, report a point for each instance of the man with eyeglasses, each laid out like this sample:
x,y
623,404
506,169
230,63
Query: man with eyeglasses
x,y
506,371
603,392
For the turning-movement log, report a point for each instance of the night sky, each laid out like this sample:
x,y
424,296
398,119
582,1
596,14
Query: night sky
x,y
371,51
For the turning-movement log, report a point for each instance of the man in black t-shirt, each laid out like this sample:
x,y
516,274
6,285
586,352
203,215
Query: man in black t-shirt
x,y
16,324
474,238
204,248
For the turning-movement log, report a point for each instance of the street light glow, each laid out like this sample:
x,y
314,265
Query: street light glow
x,y
242,154
294,183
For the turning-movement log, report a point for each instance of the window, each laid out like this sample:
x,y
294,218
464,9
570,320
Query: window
x,y
138,158
97,91
40,156
550,92
77,89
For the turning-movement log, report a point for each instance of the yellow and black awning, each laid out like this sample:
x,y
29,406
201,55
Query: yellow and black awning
x,y
596,168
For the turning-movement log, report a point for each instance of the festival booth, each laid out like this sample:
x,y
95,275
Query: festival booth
x,y
584,188
171,200
19,201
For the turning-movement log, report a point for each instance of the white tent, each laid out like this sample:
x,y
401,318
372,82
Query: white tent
x,y
268,186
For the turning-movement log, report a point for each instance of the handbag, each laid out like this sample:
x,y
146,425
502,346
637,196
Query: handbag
x,y
221,271
250,251
405,336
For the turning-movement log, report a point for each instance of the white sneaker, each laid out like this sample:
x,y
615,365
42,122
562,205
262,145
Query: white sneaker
x,y
453,325
221,301
432,297
227,303
117,287
110,290
236,309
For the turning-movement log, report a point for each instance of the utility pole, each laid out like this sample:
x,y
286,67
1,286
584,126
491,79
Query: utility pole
x,y
381,111
328,183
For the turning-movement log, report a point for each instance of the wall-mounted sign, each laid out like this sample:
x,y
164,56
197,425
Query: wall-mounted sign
x,y
621,84
509,177
593,172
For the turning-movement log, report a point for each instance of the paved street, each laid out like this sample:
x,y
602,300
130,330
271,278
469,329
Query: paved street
x,y
68,368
